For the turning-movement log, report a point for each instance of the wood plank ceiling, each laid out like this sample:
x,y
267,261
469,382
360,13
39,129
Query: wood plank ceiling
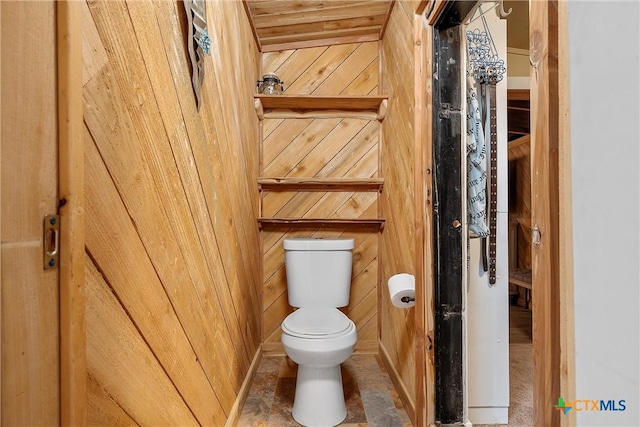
x,y
290,24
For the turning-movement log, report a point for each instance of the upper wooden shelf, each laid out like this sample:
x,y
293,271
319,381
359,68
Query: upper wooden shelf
x,y
321,184
369,107
279,223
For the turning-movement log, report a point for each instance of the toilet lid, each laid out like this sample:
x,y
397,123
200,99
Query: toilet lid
x,y
316,322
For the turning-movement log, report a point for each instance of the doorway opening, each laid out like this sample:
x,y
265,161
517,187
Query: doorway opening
x,y
516,299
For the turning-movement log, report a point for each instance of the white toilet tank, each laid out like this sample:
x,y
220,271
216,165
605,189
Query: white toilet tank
x,y
318,271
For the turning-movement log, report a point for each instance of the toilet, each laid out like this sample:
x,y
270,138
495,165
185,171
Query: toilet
x,y
317,336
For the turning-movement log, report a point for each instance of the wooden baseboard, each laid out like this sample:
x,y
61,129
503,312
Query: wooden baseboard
x,y
408,403
273,349
236,410
366,347
362,347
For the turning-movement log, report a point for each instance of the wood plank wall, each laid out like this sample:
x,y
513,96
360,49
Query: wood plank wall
x,y
521,208
29,299
173,257
397,326
328,148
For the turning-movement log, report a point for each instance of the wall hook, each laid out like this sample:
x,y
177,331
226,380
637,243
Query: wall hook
x,y
499,4
501,10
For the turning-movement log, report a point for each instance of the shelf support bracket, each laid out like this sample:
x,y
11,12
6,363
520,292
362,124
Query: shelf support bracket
x,y
382,110
259,110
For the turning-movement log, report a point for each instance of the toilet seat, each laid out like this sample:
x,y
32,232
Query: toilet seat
x,y
317,323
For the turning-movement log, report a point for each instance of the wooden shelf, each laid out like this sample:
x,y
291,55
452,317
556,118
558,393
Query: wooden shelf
x,y
519,147
319,106
368,107
377,224
518,94
520,277
320,184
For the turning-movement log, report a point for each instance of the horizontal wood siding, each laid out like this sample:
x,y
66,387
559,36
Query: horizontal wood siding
x,y
398,157
173,269
322,148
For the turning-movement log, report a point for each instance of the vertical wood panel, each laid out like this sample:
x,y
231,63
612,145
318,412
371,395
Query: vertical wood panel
x,y
543,31
71,189
29,299
30,337
522,211
425,378
567,297
398,155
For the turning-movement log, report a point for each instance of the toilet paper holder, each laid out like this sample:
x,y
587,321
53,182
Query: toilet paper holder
x,y
402,290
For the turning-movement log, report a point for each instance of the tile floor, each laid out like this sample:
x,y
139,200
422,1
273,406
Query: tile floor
x,y
369,394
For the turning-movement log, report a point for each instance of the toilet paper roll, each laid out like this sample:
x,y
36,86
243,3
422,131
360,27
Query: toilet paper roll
x,y
402,285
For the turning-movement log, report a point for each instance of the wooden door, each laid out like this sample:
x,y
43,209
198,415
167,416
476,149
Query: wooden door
x,y
29,168
545,209
552,329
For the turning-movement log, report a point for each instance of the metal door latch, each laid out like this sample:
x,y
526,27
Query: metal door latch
x,y
445,110
51,242
536,236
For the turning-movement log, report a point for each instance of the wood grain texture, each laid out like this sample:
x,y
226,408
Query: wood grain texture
x,y
102,409
172,206
285,24
235,412
30,379
319,102
567,292
94,57
120,347
71,190
543,33
323,151
321,184
399,157
425,379
519,155
520,212
148,305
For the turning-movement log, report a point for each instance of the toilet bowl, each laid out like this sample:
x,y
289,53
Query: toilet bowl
x,y
318,340
318,336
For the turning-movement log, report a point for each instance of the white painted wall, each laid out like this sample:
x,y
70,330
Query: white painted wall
x,y
605,115
487,307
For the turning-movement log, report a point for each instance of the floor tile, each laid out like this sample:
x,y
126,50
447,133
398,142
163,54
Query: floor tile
x,y
364,379
380,409
280,415
353,400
